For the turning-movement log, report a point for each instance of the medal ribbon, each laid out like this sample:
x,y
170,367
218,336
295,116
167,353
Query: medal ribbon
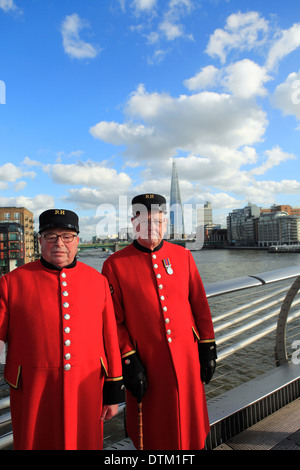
x,y
168,265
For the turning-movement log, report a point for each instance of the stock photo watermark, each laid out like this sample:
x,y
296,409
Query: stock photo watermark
x,y
296,354
181,222
2,353
296,93
2,92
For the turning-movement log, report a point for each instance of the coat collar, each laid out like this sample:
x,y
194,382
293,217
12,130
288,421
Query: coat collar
x,y
56,268
137,245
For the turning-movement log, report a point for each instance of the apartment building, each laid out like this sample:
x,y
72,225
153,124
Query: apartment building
x,y
278,228
16,237
242,226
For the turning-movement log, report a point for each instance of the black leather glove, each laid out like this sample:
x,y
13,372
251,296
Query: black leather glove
x,y
134,376
207,357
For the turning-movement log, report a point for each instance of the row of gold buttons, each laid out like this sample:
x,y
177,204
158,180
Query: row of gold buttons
x,y
67,330
162,298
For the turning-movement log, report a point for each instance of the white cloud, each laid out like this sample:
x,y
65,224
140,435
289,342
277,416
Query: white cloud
x,y
171,26
118,134
171,30
74,46
243,31
11,173
89,174
91,198
159,125
29,162
87,198
144,5
268,192
289,41
245,79
162,25
220,200
20,185
7,5
275,157
36,204
287,95
208,77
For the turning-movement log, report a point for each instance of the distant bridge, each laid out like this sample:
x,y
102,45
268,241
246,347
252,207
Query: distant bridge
x,y
118,245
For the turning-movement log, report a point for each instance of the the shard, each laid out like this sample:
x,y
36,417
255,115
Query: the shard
x,y
176,209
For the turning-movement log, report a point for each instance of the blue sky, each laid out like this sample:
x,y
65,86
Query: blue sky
x,y
97,98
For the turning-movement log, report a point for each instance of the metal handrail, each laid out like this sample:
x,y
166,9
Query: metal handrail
x,y
233,285
243,283
283,318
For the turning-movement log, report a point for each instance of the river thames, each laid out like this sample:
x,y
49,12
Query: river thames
x,y
218,265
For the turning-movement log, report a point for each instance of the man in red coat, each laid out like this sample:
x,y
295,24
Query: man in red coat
x,y
165,332
63,363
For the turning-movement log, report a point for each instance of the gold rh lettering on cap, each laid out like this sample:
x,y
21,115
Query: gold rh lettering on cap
x,y
149,196
59,212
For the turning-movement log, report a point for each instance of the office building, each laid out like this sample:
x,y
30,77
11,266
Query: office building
x,y
242,226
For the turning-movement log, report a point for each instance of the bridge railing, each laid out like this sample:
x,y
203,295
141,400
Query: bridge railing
x,y
257,327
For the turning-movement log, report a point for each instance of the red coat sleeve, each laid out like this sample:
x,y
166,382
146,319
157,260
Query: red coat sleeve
x,y
4,314
126,345
113,388
199,304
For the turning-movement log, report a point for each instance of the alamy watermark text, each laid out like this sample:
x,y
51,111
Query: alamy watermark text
x,y
2,92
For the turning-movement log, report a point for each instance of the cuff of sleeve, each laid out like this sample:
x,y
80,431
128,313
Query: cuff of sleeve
x,y
207,350
131,365
113,392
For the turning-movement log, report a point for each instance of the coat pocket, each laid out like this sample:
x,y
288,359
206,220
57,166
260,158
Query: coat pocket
x,y
196,334
104,365
12,375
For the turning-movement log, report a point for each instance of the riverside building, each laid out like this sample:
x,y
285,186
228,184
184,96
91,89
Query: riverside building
x,y
251,226
242,226
278,228
16,238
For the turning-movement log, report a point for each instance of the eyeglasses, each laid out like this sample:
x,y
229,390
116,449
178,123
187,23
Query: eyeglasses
x,y
65,237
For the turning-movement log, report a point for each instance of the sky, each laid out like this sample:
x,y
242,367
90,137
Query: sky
x,y
97,98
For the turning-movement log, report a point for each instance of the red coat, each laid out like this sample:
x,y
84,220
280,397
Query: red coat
x,y
163,316
62,350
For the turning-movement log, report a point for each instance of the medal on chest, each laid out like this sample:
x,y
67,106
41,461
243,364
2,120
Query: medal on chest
x,y
168,266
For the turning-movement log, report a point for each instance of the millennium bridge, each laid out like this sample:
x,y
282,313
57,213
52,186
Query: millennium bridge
x,y
254,396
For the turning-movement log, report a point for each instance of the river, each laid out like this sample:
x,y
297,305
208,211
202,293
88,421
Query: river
x,y
218,265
